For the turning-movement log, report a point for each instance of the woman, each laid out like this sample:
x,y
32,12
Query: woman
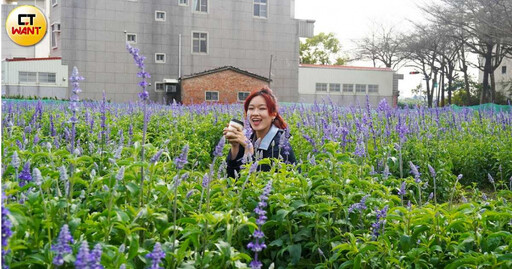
x,y
260,109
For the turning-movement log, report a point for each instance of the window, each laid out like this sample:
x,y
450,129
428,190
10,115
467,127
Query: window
x,y
45,77
160,58
242,96
334,87
159,15
55,33
159,87
131,38
260,8
54,3
361,88
373,88
321,87
170,87
183,2
504,69
27,77
201,6
348,88
212,96
199,42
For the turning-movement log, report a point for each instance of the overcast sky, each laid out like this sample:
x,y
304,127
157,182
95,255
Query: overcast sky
x,y
352,20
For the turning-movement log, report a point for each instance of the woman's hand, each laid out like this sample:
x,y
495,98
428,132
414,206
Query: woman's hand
x,y
235,136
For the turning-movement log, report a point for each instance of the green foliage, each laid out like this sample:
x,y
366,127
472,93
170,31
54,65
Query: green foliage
x,y
321,49
309,225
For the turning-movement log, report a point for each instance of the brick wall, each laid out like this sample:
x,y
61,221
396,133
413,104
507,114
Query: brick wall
x,y
228,83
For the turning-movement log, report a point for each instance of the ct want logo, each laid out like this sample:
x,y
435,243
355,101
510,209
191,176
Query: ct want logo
x,y
26,25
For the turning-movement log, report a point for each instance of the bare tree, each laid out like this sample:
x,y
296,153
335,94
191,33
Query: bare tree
x,y
480,24
383,44
422,47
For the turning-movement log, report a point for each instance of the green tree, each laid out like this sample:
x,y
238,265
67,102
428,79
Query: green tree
x,y
321,49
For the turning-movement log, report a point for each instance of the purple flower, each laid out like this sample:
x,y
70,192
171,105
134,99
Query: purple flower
x,y
15,160
139,61
380,222
83,257
432,171
430,196
220,146
415,172
120,174
6,226
257,246
206,180
25,176
181,160
490,178
401,192
359,206
156,256
62,247
156,157
96,257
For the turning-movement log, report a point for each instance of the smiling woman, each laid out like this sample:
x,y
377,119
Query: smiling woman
x,y
269,136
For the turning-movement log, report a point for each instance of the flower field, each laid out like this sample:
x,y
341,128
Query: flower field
x,y
373,188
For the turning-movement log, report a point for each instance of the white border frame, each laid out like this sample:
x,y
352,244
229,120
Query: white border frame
x,y
131,42
158,61
56,3
183,5
207,43
238,96
336,92
160,11
218,96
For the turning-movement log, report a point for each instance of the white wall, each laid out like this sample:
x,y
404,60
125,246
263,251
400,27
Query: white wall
x,y
12,86
310,75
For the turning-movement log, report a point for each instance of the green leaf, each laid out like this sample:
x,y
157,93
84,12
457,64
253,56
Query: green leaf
x,y
295,251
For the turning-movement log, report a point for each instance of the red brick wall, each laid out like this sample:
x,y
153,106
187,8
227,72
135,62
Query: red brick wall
x,y
228,83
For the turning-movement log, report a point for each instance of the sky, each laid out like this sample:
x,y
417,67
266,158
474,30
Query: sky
x,y
353,20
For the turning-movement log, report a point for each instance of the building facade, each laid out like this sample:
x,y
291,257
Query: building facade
x,y
502,77
177,37
225,85
347,85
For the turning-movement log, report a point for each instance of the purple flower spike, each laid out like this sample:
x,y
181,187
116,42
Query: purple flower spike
x,y
6,226
257,246
156,256
139,61
415,172
181,160
432,171
62,247
220,146
25,176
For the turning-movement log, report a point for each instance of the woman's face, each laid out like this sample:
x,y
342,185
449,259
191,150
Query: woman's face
x,y
259,118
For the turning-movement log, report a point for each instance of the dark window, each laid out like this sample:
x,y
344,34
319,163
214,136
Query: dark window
x,y
504,69
212,96
243,95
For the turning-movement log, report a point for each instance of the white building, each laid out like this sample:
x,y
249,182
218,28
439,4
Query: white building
x,y
503,78
347,85
41,77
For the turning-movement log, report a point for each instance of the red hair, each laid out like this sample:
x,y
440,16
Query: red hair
x,y
271,102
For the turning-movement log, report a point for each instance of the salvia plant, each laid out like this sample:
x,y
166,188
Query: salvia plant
x,y
145,186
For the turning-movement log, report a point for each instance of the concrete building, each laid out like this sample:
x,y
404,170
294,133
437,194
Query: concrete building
x,y
40,77
503,78
347,85
177,37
